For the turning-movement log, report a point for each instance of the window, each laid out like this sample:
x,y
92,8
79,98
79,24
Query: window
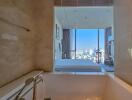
x,y
84,39
87,44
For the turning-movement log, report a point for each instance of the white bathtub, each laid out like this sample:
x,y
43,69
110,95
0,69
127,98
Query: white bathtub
x,y
80,86
72,86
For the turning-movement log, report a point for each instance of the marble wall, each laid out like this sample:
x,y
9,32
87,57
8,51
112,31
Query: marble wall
x,y
123,39
22,51
43,18
116,89
16,43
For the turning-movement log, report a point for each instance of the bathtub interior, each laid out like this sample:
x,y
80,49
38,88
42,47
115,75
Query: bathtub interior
x,y
75,87
71,86
86,87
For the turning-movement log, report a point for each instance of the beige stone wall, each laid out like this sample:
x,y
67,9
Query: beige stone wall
x,y
16,44
123,39
43,18
22,51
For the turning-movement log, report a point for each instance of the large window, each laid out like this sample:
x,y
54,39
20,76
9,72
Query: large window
x,y
84,38
87,44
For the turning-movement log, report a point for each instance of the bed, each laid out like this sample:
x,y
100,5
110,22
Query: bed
x,y
76,65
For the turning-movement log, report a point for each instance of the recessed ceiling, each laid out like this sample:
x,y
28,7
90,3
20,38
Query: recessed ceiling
x,y
85,17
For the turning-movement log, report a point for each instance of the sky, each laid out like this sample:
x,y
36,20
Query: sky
x,y
87,38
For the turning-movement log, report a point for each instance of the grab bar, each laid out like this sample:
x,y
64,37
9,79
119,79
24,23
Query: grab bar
x,y
27,83
21,98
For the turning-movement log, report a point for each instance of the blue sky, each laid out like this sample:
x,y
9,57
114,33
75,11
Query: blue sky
x,y
87,38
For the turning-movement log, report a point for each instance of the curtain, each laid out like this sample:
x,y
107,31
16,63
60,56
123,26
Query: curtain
x,y
66,44
108,32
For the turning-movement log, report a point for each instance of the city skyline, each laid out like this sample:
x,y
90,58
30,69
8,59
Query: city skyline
x,y
87,39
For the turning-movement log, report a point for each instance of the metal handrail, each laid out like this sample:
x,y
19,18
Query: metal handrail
x,y
27,83
35,80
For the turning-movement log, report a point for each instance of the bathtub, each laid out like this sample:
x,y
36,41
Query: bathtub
x,y
86,86
71,86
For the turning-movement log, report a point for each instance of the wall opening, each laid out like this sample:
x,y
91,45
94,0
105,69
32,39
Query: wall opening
x,y
83,39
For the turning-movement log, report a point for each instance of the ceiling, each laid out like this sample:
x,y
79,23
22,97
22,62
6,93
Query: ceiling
x,y
85,17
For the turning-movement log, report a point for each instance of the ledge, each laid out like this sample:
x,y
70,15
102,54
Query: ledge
x,y
16,85
121,83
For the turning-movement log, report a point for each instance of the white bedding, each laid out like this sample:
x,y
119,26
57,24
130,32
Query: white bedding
x,y
77,65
